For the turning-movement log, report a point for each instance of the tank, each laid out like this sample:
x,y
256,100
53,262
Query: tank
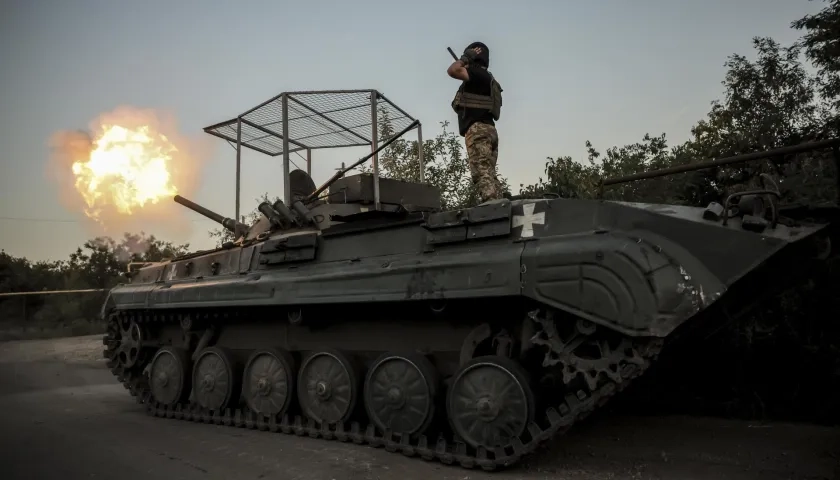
x,y
470,337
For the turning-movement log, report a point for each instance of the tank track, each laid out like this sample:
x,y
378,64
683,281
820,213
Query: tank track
x,y
556,419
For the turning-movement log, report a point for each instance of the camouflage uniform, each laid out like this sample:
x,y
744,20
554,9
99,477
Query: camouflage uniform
x,y
482,142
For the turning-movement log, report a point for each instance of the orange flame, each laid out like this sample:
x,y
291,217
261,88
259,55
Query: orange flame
x,y
127,168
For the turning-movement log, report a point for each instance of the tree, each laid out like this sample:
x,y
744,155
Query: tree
x,y
21,275
822,47
101,263
569,179
768,103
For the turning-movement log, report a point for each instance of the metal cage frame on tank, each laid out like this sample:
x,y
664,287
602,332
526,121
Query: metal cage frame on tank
x,y
296,121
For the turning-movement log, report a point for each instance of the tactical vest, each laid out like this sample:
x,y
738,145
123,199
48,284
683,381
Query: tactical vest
x,y
492,103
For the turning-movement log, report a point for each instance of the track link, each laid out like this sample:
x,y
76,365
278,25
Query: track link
x,y
555,421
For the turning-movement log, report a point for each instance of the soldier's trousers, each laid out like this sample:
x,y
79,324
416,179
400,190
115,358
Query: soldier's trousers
x,y
482,142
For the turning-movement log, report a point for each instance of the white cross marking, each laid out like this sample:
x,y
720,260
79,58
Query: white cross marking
x,y
528,220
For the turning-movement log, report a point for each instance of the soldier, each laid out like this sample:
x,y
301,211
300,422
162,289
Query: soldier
x,y
478,103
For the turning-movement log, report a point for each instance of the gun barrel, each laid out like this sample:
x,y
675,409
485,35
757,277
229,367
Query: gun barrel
x,y
777,152
452,53
228,223
199,209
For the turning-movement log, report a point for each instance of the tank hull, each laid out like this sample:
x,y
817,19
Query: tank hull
x,y
561,302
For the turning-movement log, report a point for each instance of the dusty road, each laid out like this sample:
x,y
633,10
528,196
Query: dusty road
x,y
63,416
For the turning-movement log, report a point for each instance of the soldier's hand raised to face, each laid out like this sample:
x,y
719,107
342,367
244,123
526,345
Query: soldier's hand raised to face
x,y
469,55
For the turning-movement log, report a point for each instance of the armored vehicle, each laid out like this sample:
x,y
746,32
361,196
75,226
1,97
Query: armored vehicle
x,y
361,311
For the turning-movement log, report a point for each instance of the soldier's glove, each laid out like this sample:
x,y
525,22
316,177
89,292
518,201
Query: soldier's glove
x,y
468,56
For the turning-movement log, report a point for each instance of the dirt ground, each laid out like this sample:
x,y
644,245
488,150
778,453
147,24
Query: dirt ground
x,y
62,415
73,350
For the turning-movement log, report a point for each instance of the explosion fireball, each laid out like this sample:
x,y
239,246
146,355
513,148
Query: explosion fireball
x,y
123,170
127,168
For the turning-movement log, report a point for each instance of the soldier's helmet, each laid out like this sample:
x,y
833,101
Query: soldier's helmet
x,y
483,58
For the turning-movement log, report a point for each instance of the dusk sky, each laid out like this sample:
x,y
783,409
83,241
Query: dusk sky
x,y
605,71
